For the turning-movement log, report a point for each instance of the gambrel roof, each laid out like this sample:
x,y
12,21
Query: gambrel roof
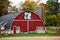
x,y
8,19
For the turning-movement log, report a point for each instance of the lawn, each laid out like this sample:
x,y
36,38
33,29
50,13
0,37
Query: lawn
x,y
26,35
52,31
49,33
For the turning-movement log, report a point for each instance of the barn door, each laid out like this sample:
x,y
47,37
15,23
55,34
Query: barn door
x,y
40,29
17,29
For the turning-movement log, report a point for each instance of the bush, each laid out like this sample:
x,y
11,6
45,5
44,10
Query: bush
x,y
51,20
58,31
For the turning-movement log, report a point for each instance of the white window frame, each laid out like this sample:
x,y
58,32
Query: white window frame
x,y
27,15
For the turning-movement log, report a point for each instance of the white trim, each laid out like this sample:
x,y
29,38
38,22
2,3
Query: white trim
x,y
13,29
28,26
32,31
27,20
14,19
24,32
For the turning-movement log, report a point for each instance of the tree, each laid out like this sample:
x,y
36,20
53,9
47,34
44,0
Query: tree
x,y
3,7
51,16
58,16
51,20
29,5
52,6
43,5
59,8
14,9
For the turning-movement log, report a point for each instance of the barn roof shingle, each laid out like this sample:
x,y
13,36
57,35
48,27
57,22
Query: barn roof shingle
x,y
8,19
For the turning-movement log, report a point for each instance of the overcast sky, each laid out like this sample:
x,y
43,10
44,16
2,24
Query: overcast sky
x,y
18,2
15,2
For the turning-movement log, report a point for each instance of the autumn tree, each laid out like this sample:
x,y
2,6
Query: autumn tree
x,y
43,5
3,7
29,4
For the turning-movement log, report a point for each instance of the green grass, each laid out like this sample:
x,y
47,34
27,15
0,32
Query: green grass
x,y
52,31
49,33
26,35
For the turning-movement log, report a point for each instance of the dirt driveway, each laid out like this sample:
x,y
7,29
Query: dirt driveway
x,y
32,38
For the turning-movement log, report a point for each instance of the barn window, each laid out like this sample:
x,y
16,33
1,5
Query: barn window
x,y
27,15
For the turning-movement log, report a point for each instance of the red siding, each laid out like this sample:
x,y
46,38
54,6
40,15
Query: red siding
x,y
20,16
23,24
34,24
35,17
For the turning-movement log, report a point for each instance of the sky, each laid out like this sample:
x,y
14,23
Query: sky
x,y
18,2
15,2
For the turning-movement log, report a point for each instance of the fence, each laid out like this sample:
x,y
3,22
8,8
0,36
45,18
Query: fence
x,y
53,28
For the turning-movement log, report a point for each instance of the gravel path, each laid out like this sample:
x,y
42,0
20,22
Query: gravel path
x,y
32,38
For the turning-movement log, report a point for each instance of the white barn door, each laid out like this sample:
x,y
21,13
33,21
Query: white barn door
x,y
40,29
17,29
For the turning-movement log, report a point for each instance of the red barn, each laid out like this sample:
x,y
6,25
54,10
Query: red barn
x,y
27,22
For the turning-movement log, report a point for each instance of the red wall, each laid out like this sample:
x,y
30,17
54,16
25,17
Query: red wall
x,y
23,24
21,16
34,24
